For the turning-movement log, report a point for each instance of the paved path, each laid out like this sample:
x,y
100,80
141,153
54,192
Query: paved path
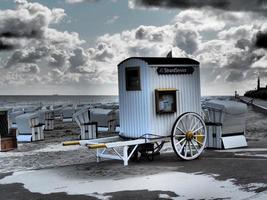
x,y
258,103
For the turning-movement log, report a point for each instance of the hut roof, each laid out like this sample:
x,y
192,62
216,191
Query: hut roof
x,y
164,60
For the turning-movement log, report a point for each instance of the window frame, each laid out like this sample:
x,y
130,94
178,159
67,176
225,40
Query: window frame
x,y
127,81
172,92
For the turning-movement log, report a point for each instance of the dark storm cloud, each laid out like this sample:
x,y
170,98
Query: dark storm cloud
x,y
234,5
243,44
11,34
261,40
5,47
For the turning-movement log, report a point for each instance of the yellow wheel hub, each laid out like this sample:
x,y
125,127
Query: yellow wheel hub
x,y
189,135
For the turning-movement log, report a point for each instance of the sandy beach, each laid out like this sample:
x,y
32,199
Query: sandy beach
x,y
48,170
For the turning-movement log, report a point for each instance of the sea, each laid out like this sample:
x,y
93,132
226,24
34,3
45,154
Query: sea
x,y
13,101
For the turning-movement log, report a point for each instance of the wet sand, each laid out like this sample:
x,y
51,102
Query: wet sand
x,y
72,168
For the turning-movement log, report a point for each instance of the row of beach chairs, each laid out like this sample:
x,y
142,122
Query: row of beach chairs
x,y
31,125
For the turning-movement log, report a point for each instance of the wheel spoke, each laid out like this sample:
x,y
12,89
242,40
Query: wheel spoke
x,y
183,125
197,129
187,119
198,142
179,142
190,149
180,150
194,146
180,130
185,151
179,135
191,124
196,123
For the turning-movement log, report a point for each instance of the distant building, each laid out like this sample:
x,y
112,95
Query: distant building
x,y
259,83
260,92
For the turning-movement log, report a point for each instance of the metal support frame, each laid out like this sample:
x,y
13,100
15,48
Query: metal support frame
x,y
114,143
116,155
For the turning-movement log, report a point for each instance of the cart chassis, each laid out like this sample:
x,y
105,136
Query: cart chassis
x,y
188,138
102,145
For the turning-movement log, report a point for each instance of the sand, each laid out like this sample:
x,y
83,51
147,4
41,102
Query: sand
x,y
47,170
51,153
48,153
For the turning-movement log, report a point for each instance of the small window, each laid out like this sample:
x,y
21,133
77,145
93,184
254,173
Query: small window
x,y
132,75
165,101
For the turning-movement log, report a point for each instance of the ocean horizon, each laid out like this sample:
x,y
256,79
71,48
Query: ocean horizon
x,y
42,100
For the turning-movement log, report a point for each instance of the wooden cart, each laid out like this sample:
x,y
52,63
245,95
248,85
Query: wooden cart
x,y
188,139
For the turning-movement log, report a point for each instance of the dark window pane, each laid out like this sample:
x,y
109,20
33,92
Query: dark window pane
x,y
133,78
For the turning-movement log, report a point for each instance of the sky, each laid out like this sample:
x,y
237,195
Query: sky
x,y
74,46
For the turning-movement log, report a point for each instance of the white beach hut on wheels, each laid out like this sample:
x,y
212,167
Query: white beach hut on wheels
x,y
159,101
157,92
154,92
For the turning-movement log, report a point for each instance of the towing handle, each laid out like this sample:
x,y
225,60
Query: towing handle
x,y
69,143
96,146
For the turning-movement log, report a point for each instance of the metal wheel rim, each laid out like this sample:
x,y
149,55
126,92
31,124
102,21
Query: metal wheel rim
x,y
189,136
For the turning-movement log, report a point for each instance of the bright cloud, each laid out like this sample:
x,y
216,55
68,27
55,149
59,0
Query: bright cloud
x,y
231,46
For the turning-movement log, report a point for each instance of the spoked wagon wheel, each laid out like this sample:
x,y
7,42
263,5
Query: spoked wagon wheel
x,y
189,136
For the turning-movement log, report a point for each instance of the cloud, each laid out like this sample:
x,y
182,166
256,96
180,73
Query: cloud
x,y
5,46
238,32
28,20
223,42
227,56
102,52
187,39
27,55
229,53
233,5
235,76
260,64
36,48
79,62
243,43
30,69
58,58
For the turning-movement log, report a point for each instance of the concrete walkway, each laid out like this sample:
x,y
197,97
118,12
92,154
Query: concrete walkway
x,y
258,103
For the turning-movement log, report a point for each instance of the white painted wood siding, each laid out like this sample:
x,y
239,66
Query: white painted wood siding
x,y
137,108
